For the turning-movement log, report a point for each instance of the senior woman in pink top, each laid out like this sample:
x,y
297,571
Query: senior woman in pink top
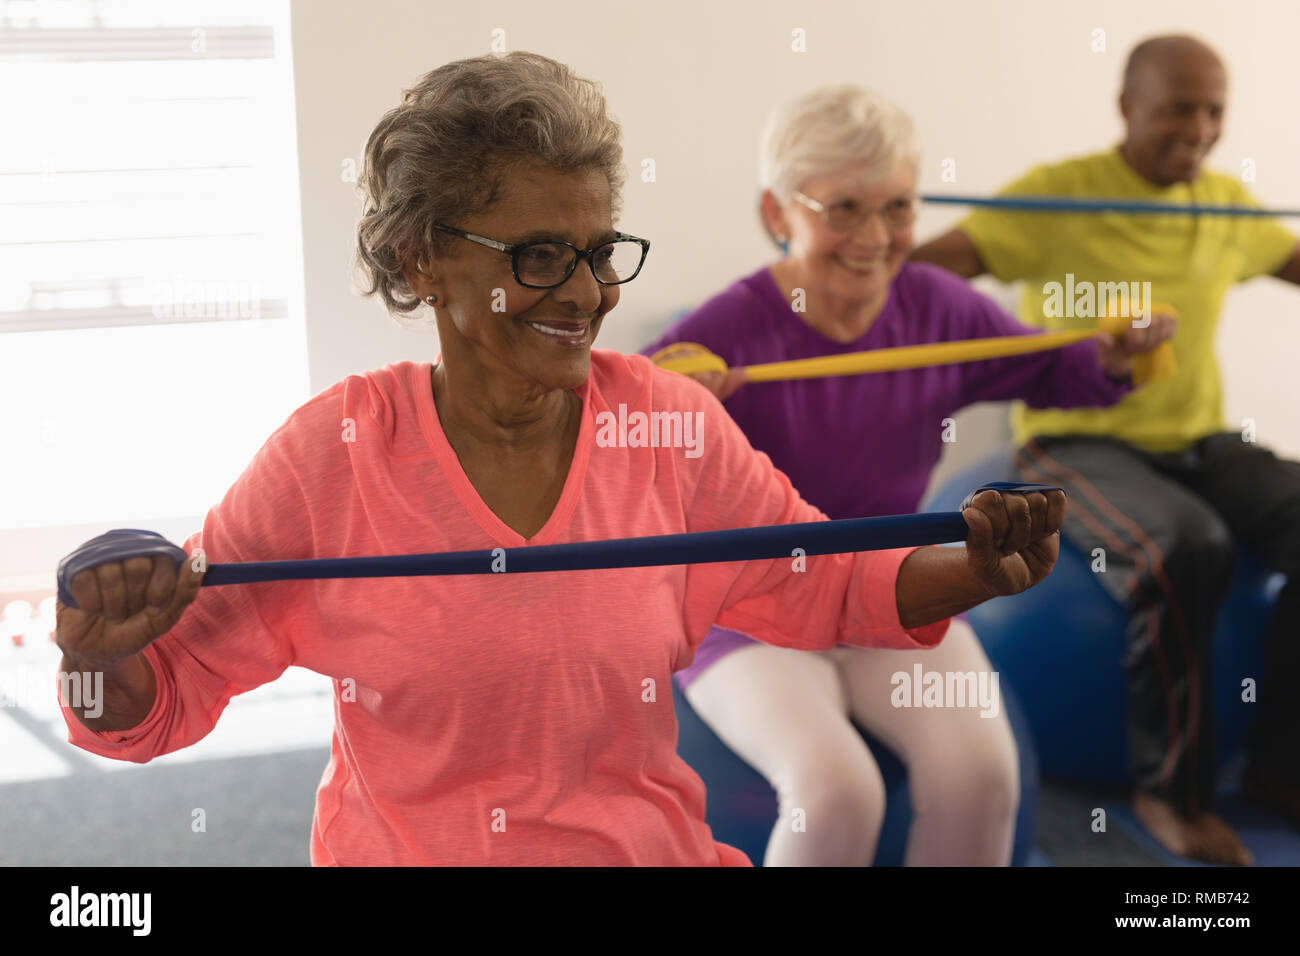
x,y
501,719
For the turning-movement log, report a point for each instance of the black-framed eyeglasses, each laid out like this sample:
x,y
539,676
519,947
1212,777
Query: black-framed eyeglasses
x,y
547,264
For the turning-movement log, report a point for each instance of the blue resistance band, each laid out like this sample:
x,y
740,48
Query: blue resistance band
x,y
1071,204
700,547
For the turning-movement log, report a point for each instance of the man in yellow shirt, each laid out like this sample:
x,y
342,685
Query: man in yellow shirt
x,y
1157,480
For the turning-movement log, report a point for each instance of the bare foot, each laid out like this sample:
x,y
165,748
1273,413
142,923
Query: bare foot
x,y
1277,794
1202,837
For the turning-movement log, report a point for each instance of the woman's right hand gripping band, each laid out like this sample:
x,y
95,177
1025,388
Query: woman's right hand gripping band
x,y
120,592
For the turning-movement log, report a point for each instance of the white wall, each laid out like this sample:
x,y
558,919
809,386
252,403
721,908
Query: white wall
x,y
997,85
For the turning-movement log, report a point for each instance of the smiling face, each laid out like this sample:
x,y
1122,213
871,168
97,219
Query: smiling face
x,y
542,340
855,266
1174,114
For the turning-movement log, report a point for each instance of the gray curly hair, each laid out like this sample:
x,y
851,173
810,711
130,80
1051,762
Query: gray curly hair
x,y
442,154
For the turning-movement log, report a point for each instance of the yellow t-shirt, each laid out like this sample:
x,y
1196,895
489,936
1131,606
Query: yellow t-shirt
x,y
1190,261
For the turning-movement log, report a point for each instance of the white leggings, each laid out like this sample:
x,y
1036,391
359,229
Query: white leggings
x,y
786,713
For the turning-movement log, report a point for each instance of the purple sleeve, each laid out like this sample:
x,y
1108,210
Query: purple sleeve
x,y
1070,377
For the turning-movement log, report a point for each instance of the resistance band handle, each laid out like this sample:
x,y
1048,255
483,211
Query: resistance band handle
x,y
1007,487
116,545
699,547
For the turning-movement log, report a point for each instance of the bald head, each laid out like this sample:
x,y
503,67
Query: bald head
x,y
1173,100
1158,56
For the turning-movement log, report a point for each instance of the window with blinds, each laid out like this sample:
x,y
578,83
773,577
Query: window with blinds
x,y
151,326
142,164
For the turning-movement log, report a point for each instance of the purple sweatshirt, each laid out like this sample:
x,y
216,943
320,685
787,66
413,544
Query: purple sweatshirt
x,y
862,445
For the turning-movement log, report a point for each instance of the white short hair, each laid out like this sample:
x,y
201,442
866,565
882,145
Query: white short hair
x,y
829,128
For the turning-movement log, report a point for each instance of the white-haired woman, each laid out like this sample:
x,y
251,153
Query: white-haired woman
x,y
838,170
508,719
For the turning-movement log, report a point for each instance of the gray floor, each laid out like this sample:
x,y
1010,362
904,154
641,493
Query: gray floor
x,y
258,812
1066,836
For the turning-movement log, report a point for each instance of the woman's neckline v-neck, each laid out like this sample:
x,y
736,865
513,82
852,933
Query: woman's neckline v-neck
x,y
464,489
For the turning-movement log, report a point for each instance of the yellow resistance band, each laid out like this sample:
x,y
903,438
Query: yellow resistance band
x,y
689,358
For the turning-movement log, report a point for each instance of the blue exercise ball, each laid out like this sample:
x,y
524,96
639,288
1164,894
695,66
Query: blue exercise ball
x,y
741,807
1061,647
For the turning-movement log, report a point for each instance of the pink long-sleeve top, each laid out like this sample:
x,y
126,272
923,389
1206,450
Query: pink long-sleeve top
x,y
499,718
